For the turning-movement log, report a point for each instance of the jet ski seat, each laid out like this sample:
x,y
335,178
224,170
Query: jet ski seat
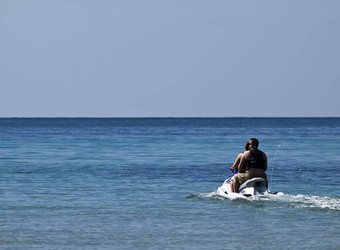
x,y
255,182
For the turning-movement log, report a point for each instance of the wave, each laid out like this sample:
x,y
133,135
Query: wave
x,y
307,201
293,201
201,195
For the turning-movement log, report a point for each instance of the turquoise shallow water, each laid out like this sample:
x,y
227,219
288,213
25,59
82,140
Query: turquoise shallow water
x,y
150,183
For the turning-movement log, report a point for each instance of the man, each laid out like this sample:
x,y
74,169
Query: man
x,y
253,164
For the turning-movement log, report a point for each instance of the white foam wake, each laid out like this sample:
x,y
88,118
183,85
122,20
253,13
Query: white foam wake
x,y
311,201
295,201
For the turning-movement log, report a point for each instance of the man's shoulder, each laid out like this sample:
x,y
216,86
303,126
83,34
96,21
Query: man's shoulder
x,y
260,151
263,153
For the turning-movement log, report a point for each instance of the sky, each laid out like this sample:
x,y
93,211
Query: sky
x,y
169,58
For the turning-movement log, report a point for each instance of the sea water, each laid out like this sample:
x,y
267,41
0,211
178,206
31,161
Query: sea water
x,y
151,184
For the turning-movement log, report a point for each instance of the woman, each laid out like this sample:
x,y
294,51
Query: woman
x,y
234,168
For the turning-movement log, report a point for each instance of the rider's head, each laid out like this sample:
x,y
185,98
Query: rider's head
x,y
254,143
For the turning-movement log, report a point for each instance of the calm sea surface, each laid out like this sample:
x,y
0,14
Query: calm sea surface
x,y
150,184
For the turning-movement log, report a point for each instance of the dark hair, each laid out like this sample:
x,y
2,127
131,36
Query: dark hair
x,y
254,142
246,146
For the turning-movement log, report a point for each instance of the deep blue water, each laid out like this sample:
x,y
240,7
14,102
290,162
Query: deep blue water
x,y
150,183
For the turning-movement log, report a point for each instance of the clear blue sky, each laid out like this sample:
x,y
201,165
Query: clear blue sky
x,y
171,58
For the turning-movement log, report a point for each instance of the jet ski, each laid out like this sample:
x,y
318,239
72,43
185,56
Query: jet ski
x,y
252,187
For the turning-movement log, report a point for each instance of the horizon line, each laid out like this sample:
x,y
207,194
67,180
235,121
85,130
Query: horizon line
x,y
160,117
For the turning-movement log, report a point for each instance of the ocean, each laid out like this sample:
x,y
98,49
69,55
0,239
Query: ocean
x,y
150,183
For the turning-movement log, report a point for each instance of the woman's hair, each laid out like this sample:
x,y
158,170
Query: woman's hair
x,y
246,146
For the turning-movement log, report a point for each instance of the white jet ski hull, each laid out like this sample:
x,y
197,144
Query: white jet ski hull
x,y
252,187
